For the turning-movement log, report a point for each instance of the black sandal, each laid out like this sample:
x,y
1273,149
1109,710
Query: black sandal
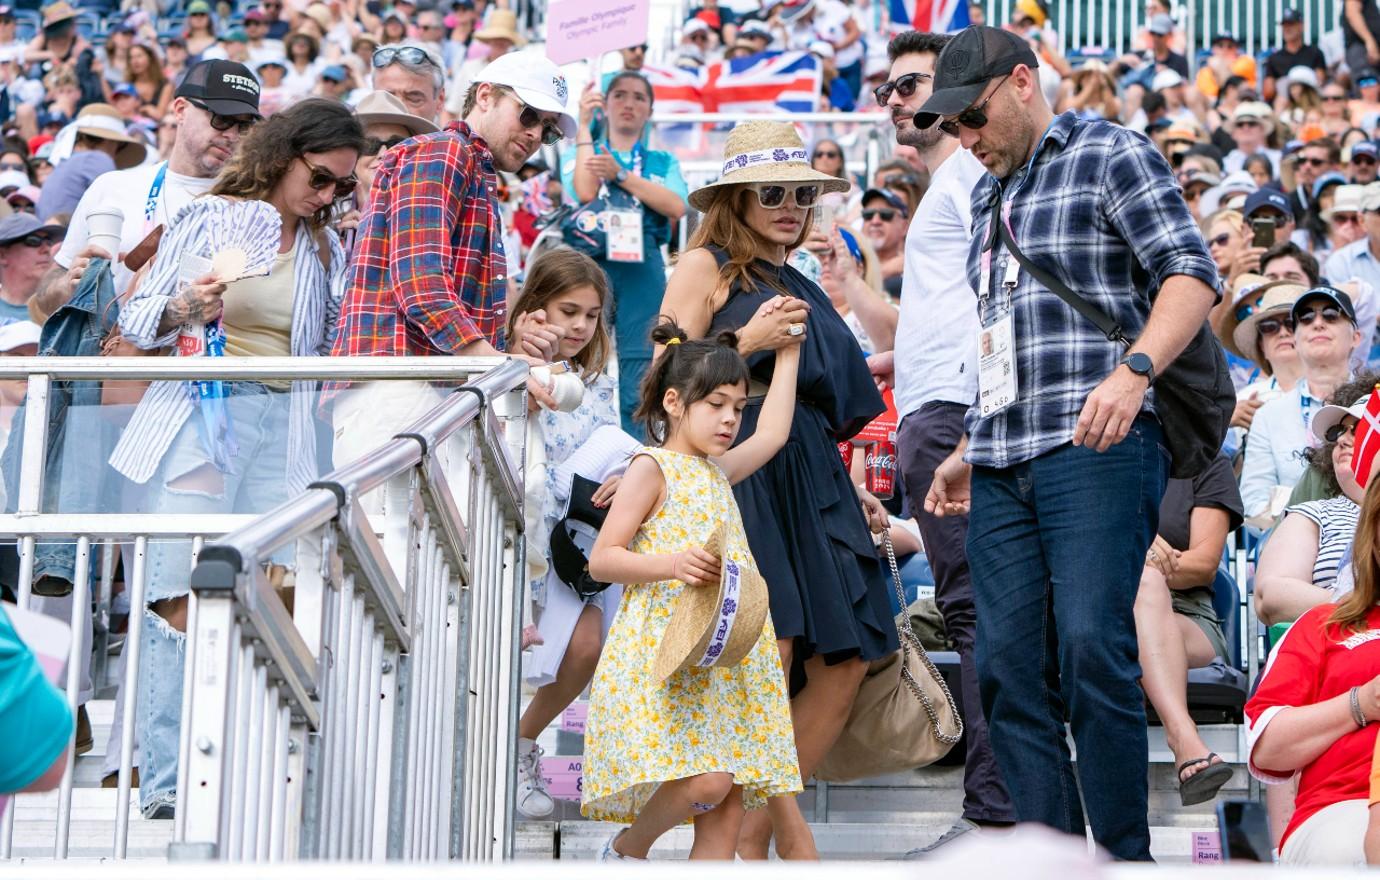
x,y
1203,785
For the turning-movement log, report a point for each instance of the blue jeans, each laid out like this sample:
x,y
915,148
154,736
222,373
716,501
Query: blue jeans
x,y
255,483
1056,546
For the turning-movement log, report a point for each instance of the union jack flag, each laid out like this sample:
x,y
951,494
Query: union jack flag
x,y
931,16
764,83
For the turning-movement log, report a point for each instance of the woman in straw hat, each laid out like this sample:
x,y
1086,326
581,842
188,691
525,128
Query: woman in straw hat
x,y
689,717
1255,331
58,44
804,520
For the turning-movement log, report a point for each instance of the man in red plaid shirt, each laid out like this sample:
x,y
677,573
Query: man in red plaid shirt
x,y
429,275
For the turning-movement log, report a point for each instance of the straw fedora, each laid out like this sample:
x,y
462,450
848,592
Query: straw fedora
x,y
765,152
711,627
1257,298
381,108
58,12
502,26
103,121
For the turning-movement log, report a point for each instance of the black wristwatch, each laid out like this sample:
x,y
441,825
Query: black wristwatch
x,y
1140,364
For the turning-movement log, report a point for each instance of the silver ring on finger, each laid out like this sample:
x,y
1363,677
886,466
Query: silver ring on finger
x,y
795,329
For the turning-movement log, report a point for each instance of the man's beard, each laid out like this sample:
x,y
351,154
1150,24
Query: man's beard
x,y
919,138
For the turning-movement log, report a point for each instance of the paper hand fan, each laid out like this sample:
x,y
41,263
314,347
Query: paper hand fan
x,y
243,239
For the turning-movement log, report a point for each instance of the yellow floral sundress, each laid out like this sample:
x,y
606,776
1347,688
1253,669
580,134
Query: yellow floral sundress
x,y
723,719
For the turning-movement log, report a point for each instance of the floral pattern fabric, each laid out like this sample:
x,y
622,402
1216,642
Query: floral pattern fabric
x,y
731,719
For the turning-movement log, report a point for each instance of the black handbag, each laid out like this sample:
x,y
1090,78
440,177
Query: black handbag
x,y
1194,395
581,517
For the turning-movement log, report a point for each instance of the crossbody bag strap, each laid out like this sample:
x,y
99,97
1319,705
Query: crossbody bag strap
x,y
1100,319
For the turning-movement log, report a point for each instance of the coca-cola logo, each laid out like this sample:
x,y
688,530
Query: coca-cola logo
x,y
881,460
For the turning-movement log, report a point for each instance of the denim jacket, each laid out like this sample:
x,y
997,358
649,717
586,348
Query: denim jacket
x,y
77,329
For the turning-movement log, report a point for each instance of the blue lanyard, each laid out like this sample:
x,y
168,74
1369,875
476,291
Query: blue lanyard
x,y
1306,409
151,206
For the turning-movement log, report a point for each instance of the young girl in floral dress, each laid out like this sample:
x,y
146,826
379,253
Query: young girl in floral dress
x,y
706,743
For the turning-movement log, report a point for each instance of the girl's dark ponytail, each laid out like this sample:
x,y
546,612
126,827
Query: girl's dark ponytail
x,y
694,369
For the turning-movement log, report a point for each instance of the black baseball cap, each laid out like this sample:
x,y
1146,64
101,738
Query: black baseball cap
x,y
227,88
889,197
1337,297
1290,16
978,55
1267,197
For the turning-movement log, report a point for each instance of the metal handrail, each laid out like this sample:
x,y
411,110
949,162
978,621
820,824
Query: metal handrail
x,y
343,369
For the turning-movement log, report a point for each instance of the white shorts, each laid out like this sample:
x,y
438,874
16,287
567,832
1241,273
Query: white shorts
x,y
1333,836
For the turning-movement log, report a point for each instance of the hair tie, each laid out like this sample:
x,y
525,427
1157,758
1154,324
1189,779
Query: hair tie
x,y
674,340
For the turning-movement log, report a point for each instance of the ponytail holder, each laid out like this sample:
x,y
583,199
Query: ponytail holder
x,y
674,340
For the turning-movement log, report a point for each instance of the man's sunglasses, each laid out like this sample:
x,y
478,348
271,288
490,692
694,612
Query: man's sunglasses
x,y
773,195
902,85
225,123
974,118
406,54
886,215
35,241
1363,160
1340,430
1312,161
323,177
529,118
1334,97
1346,219
1329,314
374,146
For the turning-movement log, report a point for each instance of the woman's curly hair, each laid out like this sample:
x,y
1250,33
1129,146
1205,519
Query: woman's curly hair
x,y
266,154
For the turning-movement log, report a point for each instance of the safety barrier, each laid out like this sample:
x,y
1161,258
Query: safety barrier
x,y
376,718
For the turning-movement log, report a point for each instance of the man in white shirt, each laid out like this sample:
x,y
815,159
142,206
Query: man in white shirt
x,y
216,103
1324,328
935,377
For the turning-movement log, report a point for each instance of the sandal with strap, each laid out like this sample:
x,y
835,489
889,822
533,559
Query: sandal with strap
x,y
1203,785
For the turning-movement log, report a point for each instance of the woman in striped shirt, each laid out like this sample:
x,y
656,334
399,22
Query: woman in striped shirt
x,y
298,161
1299,565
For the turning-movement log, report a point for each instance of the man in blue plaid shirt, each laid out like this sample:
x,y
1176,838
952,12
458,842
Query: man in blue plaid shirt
x,y
1064,466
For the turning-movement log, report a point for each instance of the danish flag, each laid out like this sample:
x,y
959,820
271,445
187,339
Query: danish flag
x,y
1367,439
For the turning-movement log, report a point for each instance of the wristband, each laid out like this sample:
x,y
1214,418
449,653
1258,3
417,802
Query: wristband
x,y
1356,714
584,143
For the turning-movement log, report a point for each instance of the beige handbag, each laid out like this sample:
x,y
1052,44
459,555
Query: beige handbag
x,y
901,713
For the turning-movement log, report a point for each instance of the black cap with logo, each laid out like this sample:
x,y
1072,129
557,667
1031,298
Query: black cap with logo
x,y
972,59
227,88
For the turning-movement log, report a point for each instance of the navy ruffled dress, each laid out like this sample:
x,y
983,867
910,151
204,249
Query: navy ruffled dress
x,y
804,522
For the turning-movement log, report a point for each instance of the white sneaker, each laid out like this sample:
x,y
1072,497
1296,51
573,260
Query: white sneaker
x,y
609,854
532,799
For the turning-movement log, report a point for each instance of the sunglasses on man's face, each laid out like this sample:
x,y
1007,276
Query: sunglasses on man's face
x,y
974,118
374,146
36,241
773,195
324,177
1347,219
1312,161
1363,160
1334,97
225,123
902,85
530,118
886,215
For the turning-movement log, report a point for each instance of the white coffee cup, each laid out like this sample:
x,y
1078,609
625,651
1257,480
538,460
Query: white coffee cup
x,y
103,229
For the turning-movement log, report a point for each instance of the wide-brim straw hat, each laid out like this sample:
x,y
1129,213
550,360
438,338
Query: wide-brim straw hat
x,y
58,12
765,152
1260,298
502,25
381,108
103,121
710,627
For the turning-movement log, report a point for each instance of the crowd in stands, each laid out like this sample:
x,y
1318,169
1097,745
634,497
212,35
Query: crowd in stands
x,y
440,189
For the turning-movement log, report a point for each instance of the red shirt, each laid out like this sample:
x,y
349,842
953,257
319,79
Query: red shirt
x,y
428,273
1315,662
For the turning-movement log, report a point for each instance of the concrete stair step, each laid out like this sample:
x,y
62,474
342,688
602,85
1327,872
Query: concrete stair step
x,y
837,841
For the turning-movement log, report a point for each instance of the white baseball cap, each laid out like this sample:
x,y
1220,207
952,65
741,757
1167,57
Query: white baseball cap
x,y
537,81
17,333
